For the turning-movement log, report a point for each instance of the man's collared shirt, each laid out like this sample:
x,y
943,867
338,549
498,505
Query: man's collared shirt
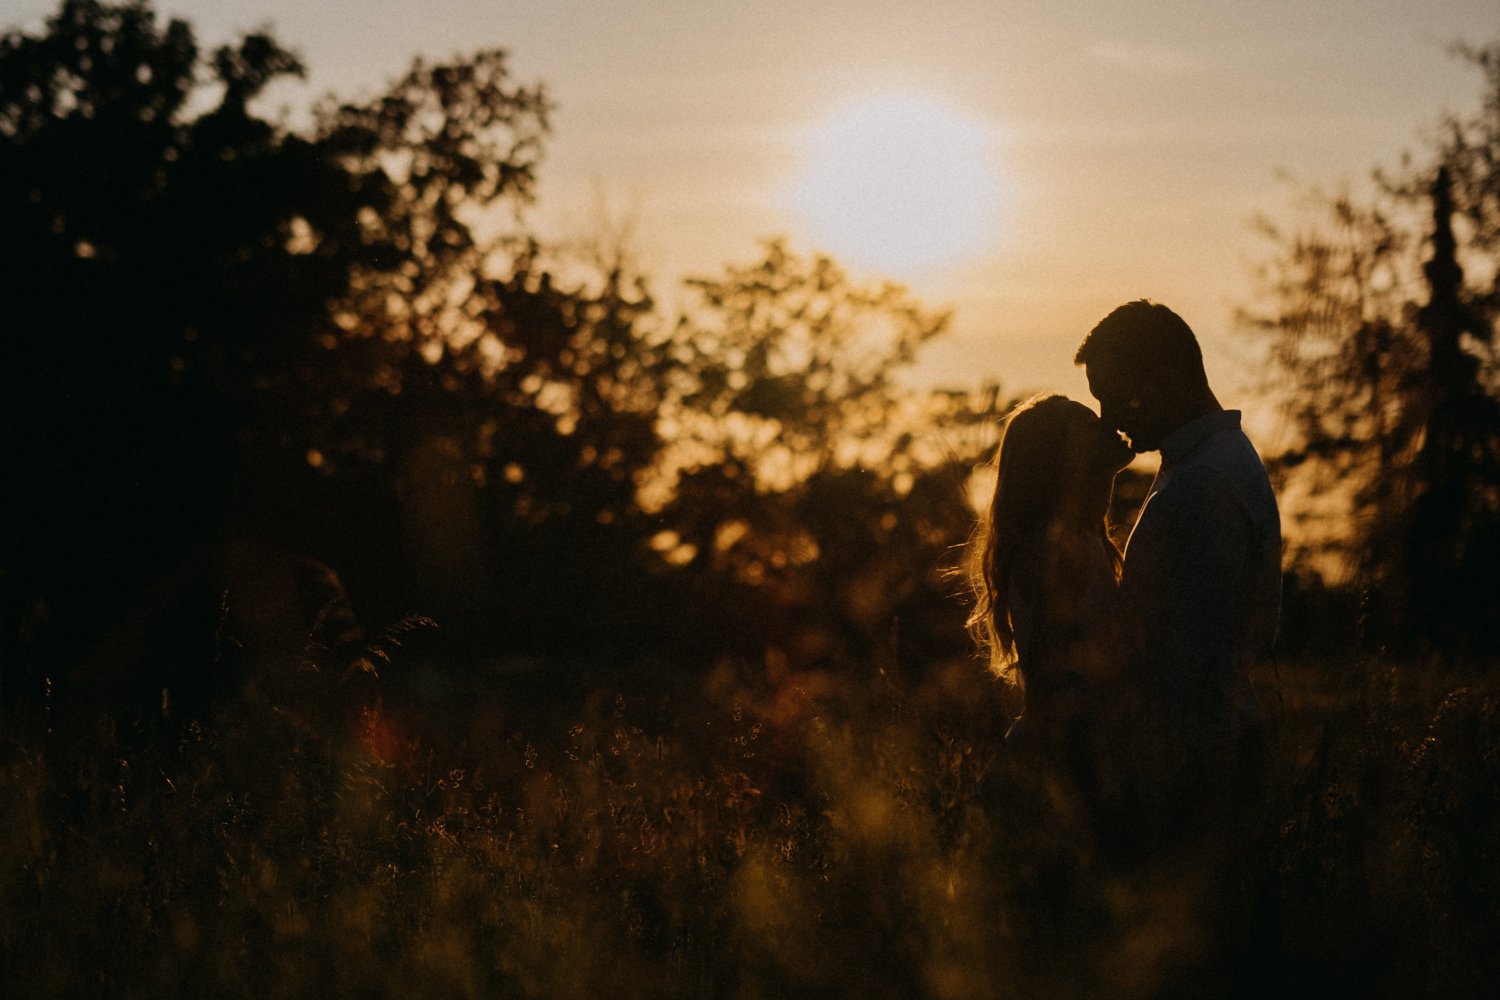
x,y
1201,585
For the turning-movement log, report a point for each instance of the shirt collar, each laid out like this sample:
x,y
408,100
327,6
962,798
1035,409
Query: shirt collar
x,y
1180,443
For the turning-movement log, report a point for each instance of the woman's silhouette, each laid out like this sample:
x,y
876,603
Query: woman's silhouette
x,y
1045,573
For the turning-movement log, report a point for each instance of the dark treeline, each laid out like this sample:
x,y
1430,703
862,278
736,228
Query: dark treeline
x,y
273,388
280,397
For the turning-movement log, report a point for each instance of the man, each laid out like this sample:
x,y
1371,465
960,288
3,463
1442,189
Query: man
x,y
1201,585
1200,595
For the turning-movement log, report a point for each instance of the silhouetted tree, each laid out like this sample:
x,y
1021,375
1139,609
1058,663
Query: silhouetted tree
x,y
826,497
244,353
1389,349
173,279
142,244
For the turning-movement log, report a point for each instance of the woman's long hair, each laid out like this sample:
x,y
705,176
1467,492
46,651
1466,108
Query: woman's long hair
x,y
1035,481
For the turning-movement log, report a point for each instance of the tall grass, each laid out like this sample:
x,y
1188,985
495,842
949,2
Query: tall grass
x,y
820,836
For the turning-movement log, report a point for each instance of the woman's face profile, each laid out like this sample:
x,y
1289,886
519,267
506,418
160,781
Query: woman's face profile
x,y
1094,452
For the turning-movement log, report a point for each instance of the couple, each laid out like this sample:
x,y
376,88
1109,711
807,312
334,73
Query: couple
x,y
1135,666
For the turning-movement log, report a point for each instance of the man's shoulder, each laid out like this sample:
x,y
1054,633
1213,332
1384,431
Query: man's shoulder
x,y
1193,490
1228,452
1226,472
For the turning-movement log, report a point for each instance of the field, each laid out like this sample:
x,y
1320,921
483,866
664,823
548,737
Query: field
x,y
816,836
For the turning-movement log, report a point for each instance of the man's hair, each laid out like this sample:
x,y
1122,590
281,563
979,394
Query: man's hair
x,y
1143,336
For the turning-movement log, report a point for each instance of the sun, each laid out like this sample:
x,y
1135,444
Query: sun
x,y
900,184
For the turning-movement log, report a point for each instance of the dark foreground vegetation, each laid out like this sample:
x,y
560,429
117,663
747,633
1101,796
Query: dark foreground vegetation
x,y
809,837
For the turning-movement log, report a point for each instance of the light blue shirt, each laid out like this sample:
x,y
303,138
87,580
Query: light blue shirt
x,y
1201,586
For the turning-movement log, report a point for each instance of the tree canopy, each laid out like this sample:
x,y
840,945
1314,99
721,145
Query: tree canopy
x,y
1381,315
248,356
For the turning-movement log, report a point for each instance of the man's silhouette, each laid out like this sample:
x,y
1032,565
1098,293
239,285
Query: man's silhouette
x,y
1200,595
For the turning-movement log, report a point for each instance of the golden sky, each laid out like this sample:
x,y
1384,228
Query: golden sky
x,y
1130,143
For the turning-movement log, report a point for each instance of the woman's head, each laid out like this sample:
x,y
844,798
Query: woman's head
x,y
1057,462
1054,474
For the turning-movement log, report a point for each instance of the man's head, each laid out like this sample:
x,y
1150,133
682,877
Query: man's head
x,y
1146,370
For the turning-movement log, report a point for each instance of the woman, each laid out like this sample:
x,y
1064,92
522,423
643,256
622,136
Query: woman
x,y
1045,574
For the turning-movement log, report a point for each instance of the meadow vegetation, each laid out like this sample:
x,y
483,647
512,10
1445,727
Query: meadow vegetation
x,y
812,836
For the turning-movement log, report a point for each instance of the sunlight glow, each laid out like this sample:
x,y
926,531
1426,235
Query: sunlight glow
x,y
901,184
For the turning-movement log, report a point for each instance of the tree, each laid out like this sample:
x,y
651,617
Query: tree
x,y
277,368
826,499
140,242
1383,319
167,275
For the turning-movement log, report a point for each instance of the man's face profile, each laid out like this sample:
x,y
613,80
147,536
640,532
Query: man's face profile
x,y
1126,405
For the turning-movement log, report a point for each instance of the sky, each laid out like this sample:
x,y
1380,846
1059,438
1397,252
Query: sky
x,y
1129,144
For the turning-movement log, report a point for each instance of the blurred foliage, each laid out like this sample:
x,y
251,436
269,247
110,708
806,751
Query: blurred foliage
x,y
1380,315
817,838
269,382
